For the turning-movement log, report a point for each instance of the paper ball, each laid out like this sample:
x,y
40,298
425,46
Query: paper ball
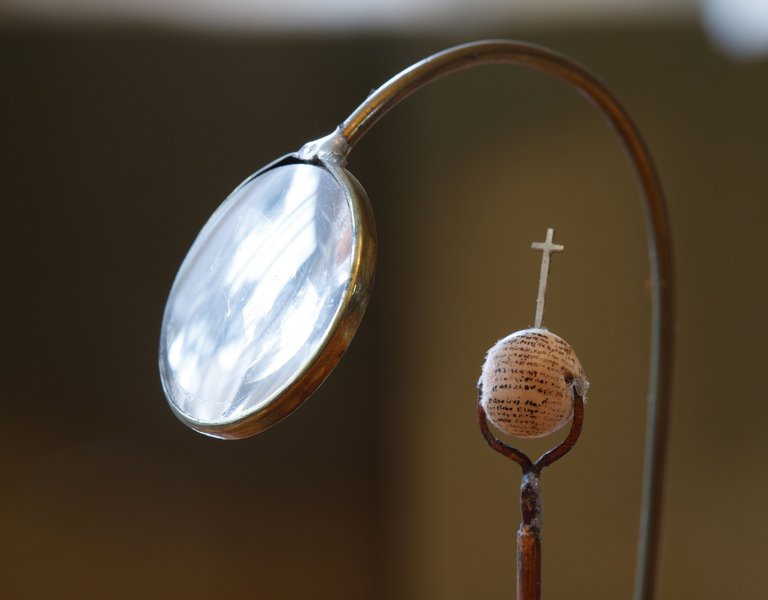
x,y
528,383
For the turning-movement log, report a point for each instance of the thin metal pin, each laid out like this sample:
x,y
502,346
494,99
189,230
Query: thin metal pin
x,y
547,248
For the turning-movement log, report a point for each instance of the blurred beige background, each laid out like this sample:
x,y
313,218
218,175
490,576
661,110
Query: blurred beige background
x,y
119,140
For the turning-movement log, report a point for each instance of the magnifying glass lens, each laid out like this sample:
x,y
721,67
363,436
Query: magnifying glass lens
x,y
258,295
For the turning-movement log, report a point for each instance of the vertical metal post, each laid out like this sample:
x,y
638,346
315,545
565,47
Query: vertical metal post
x,y
529,539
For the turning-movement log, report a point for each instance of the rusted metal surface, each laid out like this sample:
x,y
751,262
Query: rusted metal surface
x,y
529,534
528,562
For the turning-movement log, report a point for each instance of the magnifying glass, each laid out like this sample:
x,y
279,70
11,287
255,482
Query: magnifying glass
x,y
275,285
268,298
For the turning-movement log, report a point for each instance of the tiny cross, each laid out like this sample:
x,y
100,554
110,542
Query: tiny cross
x,y
547,247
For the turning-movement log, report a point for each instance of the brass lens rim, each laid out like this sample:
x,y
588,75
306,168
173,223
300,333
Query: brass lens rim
x,y
339,333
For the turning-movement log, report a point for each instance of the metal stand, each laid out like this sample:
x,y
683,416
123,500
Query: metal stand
x,y
336,147
529,534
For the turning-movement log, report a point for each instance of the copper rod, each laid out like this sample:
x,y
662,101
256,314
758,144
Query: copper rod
x,y
529,540
657,224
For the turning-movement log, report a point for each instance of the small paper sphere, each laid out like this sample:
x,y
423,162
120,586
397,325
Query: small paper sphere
x,y
528,381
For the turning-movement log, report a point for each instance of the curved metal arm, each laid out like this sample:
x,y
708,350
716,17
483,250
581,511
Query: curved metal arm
x,y
565,446
502,448
519,456
340,143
